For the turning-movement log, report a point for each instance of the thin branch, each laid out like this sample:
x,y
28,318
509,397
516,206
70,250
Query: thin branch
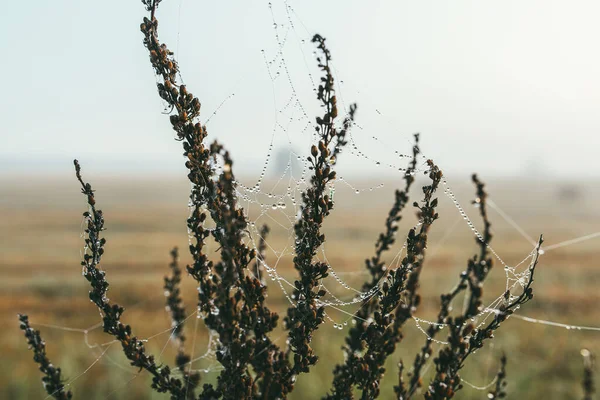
x,y
133,348
305,316
52,379
176,310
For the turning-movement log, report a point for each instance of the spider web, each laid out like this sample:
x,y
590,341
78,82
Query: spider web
x,y
274,198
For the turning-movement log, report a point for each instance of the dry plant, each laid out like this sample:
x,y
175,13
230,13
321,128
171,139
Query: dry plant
x,y
499,391
588,375
232,292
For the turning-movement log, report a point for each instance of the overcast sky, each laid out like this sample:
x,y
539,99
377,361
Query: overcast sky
x,y
496,87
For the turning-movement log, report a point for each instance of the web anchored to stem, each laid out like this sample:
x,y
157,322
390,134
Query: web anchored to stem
x,y
232,290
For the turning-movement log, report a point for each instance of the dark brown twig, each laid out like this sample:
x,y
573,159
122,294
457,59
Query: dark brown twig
x,y
499,391
344,375
52,379
588,375
471,278
305,316
261,250
162,380
465,338
399,297
238,314
176,310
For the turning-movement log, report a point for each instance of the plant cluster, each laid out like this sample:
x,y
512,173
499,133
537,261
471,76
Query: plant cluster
x,y
305,316
232,291
345,374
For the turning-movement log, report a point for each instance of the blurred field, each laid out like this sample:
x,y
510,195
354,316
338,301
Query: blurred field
x,y
40,227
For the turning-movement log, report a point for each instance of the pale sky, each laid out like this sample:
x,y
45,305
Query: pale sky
x,y
494,87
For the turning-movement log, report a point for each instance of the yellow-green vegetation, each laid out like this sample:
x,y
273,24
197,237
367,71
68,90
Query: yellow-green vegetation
x,y
254,349
40,265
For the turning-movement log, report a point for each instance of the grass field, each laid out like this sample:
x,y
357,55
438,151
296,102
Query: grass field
x,y
40,227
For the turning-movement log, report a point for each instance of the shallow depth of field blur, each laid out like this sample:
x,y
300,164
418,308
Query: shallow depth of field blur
x,y
509,91
40,227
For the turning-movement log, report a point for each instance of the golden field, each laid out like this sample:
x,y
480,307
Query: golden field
x,y
40,245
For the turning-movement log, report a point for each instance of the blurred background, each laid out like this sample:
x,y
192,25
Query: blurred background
x,y
508,91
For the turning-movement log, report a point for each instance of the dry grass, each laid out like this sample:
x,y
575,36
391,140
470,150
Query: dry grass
x,y
39,262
